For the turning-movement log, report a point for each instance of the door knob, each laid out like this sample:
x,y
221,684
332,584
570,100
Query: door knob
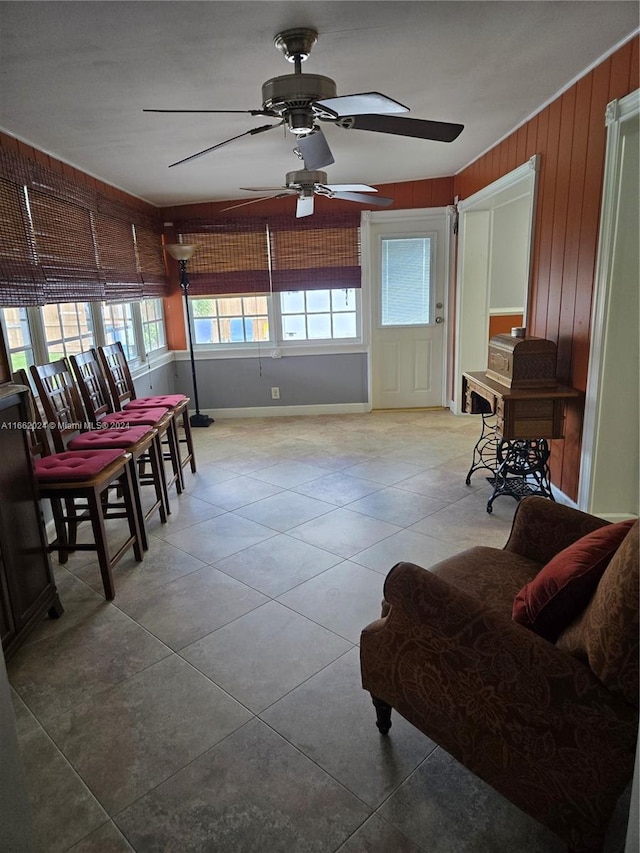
x,y
439,319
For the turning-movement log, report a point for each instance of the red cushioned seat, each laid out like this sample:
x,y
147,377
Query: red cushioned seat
x,y
75,464
144,417
169,400
107,438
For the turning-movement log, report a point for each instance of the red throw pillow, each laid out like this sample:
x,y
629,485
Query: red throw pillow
x,y
563,588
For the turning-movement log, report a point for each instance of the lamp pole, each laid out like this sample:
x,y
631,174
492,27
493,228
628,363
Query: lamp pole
x,y
182,252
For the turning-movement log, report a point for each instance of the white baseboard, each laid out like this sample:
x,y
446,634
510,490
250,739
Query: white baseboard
x,y
612,517
561,498
289,411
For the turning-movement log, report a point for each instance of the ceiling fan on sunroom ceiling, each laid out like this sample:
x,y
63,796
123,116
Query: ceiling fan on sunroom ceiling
x,y
300,101
306,184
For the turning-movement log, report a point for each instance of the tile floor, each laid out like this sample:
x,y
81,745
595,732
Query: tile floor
x,y
215,704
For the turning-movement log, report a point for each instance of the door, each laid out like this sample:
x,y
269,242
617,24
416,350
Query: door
x,y
408,262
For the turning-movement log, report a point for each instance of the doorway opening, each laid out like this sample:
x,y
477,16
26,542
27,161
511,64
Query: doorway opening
x,y
495,238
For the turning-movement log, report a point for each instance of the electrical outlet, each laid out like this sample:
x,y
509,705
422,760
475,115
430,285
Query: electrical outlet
x,y
275,393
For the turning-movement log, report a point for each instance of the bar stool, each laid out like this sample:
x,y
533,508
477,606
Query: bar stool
x,y
87,476
123,392
63,410
100,411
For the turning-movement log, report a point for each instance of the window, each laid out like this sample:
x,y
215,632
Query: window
x,y
230,319
35,335
68,328
406,281
118,326
153,333
319,314
18,338
299,315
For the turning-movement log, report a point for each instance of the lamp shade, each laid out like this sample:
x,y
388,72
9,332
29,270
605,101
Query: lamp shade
x,y
181,251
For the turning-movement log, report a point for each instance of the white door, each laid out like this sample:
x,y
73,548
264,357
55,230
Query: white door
x,y
408,263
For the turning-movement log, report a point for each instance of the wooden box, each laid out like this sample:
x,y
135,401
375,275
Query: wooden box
x,y
522,362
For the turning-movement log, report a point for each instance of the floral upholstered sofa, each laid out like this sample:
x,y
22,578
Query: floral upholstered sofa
x,y
522,663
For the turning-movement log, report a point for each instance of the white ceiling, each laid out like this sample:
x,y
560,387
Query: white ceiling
x,y
74,77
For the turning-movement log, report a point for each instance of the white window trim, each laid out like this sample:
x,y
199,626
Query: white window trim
x,y
276,348
40,345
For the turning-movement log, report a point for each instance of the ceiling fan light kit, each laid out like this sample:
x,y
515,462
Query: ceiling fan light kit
x,y
300,101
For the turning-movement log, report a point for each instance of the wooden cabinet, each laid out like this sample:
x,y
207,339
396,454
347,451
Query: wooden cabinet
x,y
27,586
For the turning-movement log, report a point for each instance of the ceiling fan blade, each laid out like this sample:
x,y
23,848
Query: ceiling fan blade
x,y
226,142
253,201
268,190
315,150
304,206
380,201
355,188
244,112
366,102
440,131
250,112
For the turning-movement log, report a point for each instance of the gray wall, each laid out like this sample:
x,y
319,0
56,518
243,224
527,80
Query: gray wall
x,y
159,380
304,380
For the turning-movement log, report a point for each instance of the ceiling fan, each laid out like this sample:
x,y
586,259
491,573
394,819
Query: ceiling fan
x,y
301,100
306,184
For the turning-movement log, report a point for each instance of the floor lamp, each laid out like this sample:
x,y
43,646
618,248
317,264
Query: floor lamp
x,y
182,252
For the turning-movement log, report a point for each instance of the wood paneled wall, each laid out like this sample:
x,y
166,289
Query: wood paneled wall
x,y
570,136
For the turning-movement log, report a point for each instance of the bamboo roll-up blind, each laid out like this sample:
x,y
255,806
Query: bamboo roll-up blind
x,y
117,259
62,241
150,259
65,249
279,253
232,257
21,281
315,253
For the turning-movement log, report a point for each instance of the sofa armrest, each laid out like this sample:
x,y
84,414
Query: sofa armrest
x,y
542,528
529,719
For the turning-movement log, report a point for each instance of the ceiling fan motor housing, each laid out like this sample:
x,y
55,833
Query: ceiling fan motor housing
x,y
291,95
305,178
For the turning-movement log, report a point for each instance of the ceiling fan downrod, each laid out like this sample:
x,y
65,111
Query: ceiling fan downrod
x,y
290,96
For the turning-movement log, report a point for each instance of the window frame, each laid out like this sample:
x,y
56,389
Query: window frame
x,y
20,349
229,345
152,351
130,333
40,345
63,340
425,236
276,342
